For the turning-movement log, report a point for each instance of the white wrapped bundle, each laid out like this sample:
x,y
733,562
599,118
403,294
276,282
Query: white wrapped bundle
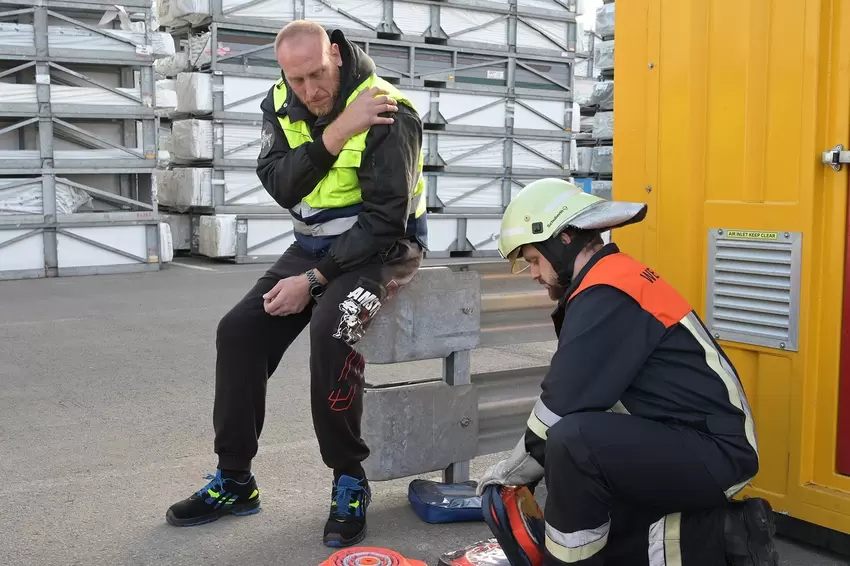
x,y
194,93
217,235
191,140
603,55
166,249
26,196
603,126
182,188
602,161
602,189
173,13
605,20
584,158
166,94
603,95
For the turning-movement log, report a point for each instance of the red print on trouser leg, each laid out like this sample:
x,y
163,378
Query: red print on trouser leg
x,y
339,322
352,373
357,310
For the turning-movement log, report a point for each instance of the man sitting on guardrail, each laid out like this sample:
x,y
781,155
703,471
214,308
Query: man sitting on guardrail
x,y
642,432
341,150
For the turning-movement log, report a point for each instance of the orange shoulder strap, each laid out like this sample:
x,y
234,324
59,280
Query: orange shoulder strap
x,y
653,293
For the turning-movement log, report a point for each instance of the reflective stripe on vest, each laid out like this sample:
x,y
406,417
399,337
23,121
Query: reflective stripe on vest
x,y
340,188
661,300
337,226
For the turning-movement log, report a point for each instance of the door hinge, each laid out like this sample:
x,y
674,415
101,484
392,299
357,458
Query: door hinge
x,y
836,157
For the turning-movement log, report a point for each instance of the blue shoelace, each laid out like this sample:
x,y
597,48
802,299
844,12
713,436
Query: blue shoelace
x,y
216,484
345,494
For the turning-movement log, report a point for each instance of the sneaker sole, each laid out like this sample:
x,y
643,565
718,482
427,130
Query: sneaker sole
x,y
212,517
340,543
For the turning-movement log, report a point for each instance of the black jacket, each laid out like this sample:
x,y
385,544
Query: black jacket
x,y
615,355
388,173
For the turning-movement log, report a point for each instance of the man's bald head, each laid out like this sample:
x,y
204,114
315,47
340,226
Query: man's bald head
x,y
310,63
302,28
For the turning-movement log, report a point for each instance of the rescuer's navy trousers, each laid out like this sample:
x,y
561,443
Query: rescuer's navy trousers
x,y
627,491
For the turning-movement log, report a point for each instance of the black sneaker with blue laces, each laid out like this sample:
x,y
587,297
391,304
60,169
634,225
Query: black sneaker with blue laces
x,y
222,496
346,524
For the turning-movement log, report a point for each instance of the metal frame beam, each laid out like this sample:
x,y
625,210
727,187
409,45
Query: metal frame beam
x,y
40,49
53,121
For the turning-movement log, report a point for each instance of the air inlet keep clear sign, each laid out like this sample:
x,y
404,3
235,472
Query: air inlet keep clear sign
x,y
751,235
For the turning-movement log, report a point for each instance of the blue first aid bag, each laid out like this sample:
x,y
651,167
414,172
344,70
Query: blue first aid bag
x,y
436,502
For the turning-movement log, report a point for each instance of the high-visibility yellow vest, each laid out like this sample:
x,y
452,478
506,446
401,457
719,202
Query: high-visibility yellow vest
x,y
341,187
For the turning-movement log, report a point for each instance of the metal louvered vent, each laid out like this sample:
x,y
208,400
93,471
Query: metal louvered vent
x,y
753,292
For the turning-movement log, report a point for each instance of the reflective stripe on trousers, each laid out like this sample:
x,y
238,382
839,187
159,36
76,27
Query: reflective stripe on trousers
x,y
577,546
542,418
665,541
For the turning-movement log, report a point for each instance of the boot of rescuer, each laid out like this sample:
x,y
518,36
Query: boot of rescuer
x,y
749,532
517,523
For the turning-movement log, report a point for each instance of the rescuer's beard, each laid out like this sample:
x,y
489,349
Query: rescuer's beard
x,y
563,257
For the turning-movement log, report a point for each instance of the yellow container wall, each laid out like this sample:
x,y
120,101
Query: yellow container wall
x,y
722,111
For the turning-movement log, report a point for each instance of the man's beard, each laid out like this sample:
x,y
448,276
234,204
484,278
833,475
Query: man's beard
x,y
556,292
327,107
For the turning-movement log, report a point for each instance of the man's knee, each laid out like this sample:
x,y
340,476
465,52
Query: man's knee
x,y
238,325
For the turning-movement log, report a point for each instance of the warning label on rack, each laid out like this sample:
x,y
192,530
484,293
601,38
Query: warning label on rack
x,y
751,235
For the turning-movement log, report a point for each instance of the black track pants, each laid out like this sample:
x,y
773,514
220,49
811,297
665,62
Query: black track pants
x,y
250,344
628,491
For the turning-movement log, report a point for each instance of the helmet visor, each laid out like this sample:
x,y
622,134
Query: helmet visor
x,y
518,263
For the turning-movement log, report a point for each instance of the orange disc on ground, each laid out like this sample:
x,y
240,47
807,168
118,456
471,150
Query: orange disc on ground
x,y
369,556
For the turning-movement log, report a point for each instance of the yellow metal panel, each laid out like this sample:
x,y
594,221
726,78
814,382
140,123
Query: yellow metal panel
x,y
767,380
722,112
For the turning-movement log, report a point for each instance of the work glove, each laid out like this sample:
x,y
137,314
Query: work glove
x,y
517,469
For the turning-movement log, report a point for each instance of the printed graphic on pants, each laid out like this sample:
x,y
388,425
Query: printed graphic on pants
x,y
349,380
357,309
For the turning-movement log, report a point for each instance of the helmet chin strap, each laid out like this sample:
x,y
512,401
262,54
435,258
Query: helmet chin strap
x,y
563,256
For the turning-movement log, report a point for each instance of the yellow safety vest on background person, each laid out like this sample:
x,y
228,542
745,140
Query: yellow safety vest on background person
x,y
340,188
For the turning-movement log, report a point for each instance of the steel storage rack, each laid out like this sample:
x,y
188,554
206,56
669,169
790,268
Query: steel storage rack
x,y
77,138
593,152
520,26
491,80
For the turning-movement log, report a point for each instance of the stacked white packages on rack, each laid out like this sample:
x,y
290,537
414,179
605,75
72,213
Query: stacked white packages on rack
x,y
68,39
26,196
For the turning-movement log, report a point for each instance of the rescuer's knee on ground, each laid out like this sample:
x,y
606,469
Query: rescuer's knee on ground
x,y
621,488
577,512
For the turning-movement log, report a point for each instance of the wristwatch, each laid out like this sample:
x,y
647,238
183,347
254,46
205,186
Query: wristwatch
x,y
316,288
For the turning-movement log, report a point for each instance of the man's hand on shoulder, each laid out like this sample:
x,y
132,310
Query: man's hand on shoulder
x,y
363,113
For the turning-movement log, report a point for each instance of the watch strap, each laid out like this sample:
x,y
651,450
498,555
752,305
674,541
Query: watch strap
x,y
314,283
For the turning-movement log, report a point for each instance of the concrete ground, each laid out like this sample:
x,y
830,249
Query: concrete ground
x,y
105,420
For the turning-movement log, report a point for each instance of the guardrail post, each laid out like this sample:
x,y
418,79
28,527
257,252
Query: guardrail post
x,y
457,370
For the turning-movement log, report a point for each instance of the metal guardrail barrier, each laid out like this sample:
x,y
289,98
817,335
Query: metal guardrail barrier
x,y
421,426
502,302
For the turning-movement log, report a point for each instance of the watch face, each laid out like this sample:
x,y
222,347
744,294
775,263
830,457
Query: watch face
x,y
317,290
